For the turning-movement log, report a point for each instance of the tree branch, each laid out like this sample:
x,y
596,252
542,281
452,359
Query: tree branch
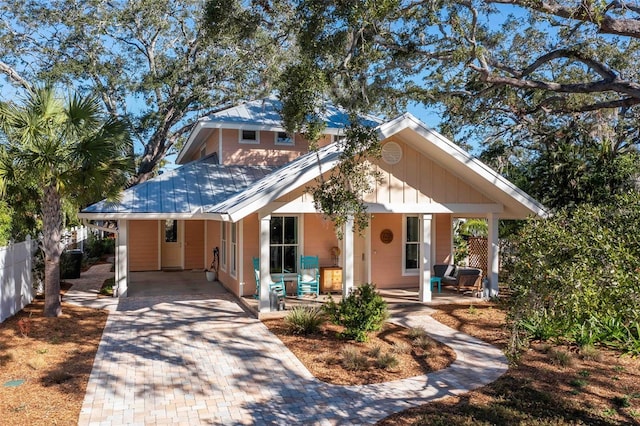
x,y
14,75
586,12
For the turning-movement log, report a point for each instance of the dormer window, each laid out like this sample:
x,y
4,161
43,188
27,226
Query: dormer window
x,y
283,138
249,136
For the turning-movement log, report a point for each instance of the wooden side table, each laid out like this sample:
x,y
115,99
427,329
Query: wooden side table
x,y
330,279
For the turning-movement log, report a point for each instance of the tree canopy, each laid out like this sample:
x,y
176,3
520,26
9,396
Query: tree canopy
x,y
150,62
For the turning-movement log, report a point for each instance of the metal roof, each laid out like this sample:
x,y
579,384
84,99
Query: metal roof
x,y
282,181
264,114
187,190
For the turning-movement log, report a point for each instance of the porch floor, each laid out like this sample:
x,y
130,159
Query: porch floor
x,y
172,283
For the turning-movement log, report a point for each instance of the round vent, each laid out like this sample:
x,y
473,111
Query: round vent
x,y
391,153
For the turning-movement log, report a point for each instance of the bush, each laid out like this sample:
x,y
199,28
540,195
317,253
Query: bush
x,y
423,342
574,275
353,360
304,320
387,361
416,332
363,311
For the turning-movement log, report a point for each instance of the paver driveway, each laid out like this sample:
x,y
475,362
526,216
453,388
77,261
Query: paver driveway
x,y
190,360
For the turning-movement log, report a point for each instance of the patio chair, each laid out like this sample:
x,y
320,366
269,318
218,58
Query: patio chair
x,y
309,276
278,286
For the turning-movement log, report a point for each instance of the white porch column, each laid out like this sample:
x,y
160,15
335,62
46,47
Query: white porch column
x,y
425,259
347,249
122,261
493,248
265,273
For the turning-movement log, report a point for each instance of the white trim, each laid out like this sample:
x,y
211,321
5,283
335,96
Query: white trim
x,y
122,260
219,147
220,217
244,141
426,249
240,258
447,149
290,141
233,249
160,238
223,246
434,208
410,272
206,244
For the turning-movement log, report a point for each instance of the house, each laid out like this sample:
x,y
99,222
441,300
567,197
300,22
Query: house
x,y
241,188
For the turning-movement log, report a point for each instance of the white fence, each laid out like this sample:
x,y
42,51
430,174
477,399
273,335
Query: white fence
x,y
16,279
16,270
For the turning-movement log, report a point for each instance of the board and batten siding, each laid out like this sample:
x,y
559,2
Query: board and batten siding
x,y
143,245
417,179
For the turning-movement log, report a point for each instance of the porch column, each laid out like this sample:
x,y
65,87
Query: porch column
x,y
265,273
122,261
347,249
493,249
425,260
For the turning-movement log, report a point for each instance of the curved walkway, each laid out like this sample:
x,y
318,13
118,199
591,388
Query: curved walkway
x,y
196,360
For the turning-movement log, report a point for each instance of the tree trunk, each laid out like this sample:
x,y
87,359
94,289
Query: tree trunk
x,y
52,222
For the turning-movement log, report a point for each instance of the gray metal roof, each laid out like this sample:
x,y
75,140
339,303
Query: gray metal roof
x,y
191,188
265,113
282,181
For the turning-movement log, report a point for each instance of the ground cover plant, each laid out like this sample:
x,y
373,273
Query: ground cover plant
x,y
552,384
391,353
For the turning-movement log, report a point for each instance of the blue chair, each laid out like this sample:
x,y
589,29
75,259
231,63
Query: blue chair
x,y
278,286
309,276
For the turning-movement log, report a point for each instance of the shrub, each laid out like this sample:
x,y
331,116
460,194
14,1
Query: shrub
x,y
401,348
304,320
353,360
416,332
423,342
363,311
560,357
387,361
574,275
590,353
375,351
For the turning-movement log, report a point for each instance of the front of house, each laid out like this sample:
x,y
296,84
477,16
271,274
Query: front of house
x,y
241,188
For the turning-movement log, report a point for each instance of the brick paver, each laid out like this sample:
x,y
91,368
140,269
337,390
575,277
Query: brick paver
x,y
195,360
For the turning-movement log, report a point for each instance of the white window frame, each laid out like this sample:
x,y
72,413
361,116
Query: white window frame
x,y
299,244
405,271
233,250
288,140
223,246
242,140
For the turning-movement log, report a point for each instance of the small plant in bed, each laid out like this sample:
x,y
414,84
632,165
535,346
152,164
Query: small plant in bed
x,y
363,311
304,320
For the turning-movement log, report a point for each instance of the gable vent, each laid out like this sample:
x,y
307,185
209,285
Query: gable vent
x,y
391,153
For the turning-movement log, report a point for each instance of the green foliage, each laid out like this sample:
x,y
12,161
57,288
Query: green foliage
x,y
575,275
353,360
97,247
107,287
304,320
6,221
416,332
387,361
362,311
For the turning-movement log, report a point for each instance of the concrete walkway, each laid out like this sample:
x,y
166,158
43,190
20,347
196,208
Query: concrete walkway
x,y
203,360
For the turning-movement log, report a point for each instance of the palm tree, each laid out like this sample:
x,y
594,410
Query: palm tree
x,y
71,151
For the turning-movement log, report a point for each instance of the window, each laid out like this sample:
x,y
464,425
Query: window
x,y
283,244
249,136
223,245
412,244
337,138
170,231
283,138
234,259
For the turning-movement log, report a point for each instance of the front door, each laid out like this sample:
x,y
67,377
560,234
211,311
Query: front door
x,y
172,237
